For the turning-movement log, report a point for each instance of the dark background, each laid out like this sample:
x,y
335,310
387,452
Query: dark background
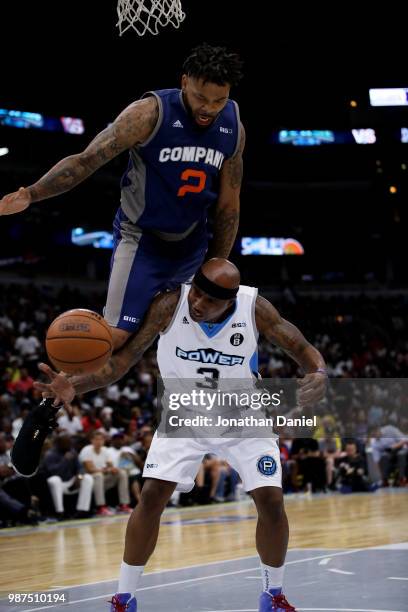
x,y
303,65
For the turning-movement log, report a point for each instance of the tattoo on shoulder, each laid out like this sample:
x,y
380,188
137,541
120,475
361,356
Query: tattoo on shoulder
x,y
132,127
268,319
141,119
276,329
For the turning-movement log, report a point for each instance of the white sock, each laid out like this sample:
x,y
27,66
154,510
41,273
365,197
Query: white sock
x,y
129,578
272,577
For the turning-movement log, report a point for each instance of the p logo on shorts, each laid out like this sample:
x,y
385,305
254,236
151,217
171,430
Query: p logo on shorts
x,y
267,465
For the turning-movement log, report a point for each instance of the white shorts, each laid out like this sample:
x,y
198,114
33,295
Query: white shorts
x,y
257,460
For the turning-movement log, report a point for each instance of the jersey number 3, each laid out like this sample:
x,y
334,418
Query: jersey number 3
x,y
195,187
211,381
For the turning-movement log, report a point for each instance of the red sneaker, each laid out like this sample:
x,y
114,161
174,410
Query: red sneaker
x,y
123,602
279,602
104,511
274,603
125,508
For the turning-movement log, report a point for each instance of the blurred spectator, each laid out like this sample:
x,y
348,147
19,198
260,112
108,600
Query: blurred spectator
x,y
113,392
69,421
210,471
329,445
352,471
312,466
15,494
108,430
390,449
289,466
125,458
122,414
28,346
227,483
18,422
13,371
90,421
24,383
131,391
62,468
96,460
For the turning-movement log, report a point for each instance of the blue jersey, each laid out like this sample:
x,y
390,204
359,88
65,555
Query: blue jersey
x,y
173,177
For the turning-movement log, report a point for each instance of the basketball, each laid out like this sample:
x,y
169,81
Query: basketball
x,y
79,341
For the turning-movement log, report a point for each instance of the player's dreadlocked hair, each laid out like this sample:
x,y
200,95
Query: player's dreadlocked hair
x,y
213,65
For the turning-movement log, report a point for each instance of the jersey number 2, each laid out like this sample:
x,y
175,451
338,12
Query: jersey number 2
x,y
192,187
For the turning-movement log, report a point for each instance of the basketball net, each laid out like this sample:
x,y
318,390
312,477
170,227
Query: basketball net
x,y
148,15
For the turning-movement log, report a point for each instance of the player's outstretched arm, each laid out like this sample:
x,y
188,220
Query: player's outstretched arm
x,y
289,338
133,126
64,388
227,209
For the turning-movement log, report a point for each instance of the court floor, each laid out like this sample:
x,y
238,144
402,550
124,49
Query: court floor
x,y
362,568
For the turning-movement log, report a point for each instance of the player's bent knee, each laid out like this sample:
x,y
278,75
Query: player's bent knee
x,y
155,495
269,503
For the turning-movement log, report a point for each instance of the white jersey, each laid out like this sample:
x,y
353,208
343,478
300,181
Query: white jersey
x,y
194,352
189,350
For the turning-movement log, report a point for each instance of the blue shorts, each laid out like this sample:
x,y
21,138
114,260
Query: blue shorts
x,y
142,265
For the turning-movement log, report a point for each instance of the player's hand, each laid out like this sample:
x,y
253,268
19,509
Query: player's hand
x,y
59,386
15,202
312,388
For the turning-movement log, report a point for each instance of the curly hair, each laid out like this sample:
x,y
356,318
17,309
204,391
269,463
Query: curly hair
x,y
213,65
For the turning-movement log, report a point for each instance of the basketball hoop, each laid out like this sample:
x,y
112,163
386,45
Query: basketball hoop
x,y
148,15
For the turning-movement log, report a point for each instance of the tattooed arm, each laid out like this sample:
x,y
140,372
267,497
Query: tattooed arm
x,y
133,126
227,210
290,339
158,317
